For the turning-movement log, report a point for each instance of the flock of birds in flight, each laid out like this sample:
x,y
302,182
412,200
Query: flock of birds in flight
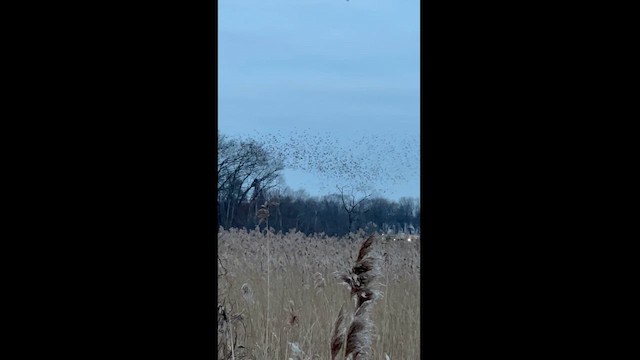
x,y
371,161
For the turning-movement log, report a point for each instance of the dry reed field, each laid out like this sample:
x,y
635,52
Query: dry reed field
x,y
317,297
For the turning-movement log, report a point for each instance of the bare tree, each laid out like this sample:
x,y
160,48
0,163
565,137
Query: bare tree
x,y
243,166
353,204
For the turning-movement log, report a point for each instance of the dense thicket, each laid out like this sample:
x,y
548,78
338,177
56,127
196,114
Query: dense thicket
x,y
249,178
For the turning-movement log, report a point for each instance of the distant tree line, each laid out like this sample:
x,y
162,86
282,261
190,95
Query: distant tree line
x,y
250,182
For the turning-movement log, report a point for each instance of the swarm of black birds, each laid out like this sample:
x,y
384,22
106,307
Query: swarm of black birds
x,y
371,161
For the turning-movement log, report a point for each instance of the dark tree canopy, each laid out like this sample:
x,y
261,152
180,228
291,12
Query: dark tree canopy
x,y
246,171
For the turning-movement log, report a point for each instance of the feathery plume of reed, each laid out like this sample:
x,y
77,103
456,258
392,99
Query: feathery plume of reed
x,y
358,343
337,339
227,337
318,281
241,353
222,318
365,248
292,318
247,293
359,279
296,352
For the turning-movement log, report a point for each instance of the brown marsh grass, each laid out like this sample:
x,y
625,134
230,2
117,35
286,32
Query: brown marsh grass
x,y
281,298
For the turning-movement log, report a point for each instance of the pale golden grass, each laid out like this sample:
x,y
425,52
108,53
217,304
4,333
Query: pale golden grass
x,y
304,298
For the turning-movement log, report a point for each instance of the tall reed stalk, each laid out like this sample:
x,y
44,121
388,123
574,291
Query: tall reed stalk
x,y
266,334
360,281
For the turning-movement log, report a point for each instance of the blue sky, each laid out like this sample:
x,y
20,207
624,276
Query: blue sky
x,y
348,71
